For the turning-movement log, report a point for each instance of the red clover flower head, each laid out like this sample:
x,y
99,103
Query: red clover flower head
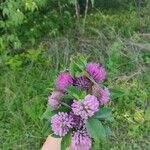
x,y
82,82
61,123
78,122
96,71
53,99
63,80
81,140
86,107
103,94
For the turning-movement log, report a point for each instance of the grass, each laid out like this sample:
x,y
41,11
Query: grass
x,y
24,89
23,101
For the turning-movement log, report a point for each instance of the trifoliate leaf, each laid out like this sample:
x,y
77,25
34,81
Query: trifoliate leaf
x,y
75,92
103,113
65,142
95,128
77,64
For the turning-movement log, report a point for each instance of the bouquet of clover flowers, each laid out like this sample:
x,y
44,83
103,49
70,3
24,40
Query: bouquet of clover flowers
x,y
77,109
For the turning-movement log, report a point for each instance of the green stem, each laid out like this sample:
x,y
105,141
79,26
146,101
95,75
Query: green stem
x,y
65,104
91,79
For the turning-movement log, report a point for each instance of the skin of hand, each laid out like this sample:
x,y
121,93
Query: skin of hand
x,y
52,144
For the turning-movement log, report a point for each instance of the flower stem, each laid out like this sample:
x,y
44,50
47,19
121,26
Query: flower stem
x,y
90,78
65,104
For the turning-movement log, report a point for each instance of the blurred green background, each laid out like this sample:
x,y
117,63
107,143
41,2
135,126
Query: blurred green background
x,y
37,38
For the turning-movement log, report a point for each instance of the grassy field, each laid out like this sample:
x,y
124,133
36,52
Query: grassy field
x,y
120,42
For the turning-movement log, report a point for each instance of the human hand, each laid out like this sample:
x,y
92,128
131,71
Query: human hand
x,y
52,144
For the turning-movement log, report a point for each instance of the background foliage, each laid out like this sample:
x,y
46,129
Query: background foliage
x,y
37,39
